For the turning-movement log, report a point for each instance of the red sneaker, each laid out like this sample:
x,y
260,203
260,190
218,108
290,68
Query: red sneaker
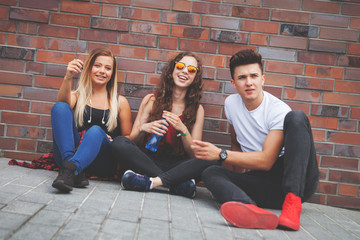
x,y
248,216
290,214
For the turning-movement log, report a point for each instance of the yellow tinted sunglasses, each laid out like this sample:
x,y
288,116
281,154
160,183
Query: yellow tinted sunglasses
x,y
191,69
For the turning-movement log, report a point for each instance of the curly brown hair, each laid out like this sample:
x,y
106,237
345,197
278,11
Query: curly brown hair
x,y
163,95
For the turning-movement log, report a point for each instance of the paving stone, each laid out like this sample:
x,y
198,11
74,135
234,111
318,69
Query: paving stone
x,y
180,234
22,207
119,229
52,218
11,220
5,232
35,231
14,188
37,197
153,229
79,230
7,197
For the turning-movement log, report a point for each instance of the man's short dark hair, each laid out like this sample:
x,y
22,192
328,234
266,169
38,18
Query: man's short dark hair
x,y
245,57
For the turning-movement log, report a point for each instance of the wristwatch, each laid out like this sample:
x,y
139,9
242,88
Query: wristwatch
x,y
223,155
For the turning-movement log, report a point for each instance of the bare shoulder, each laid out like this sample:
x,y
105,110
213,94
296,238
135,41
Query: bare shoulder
x,y
148,100
122,99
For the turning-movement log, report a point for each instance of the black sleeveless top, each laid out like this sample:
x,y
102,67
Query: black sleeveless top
x,y
97,117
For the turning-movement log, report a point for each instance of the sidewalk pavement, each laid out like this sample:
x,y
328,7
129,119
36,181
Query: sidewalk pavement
x,y
31,209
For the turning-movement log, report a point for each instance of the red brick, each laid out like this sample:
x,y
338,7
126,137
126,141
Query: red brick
x,y
93,45
197,46
21,155
344,176
136,65
215,125
284,67
319,135
302,95
347,151
211,8
150,15
67,45
29,15
2,38
128,51
160,4
138,39
220,22
351,9
121,2
14,105
208,73
55,70
217,138
150,28
347,86
344,137
223,74
180,18
10,91
314,83
152,79
323,122
27,27
8,143
350,74
45,121
20,118
17,53
98,35
355,113
329,20
212,98
40,94
2,127
168,43
190,32
348,125
288,42
348,61
121,76
48,82
110,11
161,55
259,39
211,85
259,26
287,4
3,12
110,24
327,187
54,57
354,48
339,34
250,12
276,91
355,23
329,111
338,162
327,46
70,19
212,60
340,98
289,16
248,2
321,71
348,190
80,7
7,26
48,5
229,36
41,107
11,65
316,58
44,146
320,6
58,31
279,79
299,106
135,78
26,145
212,111
16,78
182,5
9,2
26,41
230,49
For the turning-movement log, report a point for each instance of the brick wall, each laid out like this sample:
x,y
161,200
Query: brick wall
x,y
311,51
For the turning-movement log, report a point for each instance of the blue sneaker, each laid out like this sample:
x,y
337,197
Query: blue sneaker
x,y
186,189
136,182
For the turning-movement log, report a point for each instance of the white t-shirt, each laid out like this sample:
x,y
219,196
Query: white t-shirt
x,y
252,127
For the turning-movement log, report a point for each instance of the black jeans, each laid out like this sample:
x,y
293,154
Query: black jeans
x,y
171,169
296,172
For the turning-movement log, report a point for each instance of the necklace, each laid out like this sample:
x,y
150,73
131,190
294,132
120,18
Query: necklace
x,y
103,118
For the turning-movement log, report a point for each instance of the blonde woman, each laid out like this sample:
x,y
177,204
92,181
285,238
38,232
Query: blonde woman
x,y
94,107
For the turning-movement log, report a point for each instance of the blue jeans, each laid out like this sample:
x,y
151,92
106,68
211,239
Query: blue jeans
x,y
93,153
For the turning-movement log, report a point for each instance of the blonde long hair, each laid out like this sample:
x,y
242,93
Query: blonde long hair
x,y
84,89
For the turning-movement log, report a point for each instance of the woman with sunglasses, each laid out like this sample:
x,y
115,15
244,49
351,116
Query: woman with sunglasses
x,y
174,112
94,108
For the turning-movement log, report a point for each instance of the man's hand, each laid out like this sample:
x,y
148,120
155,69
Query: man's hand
x,y
205,150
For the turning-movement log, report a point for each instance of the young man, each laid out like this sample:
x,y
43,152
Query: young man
x,y
273,144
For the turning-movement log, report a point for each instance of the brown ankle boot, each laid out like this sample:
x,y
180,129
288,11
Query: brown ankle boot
x,y
65,180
